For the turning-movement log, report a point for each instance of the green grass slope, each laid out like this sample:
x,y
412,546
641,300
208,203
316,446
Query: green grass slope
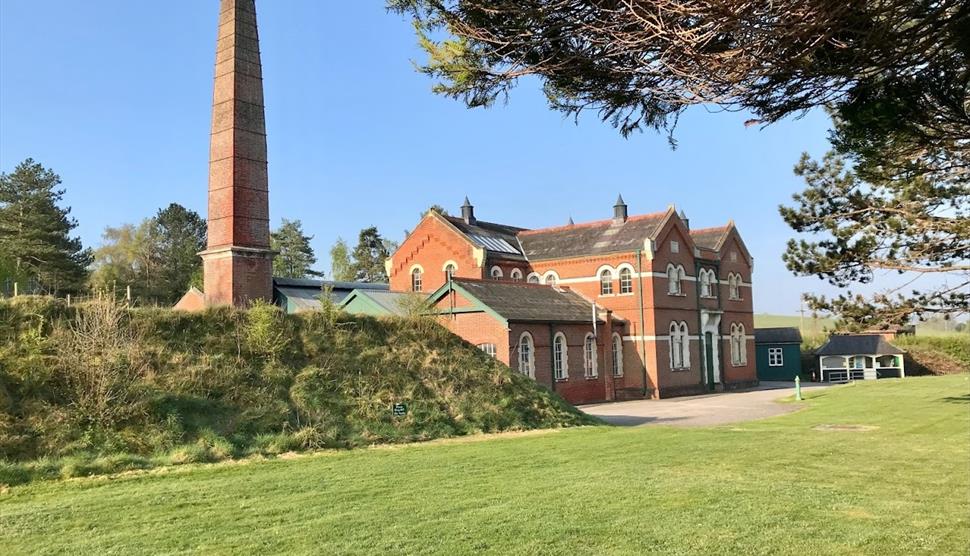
x,y
790,485
160,387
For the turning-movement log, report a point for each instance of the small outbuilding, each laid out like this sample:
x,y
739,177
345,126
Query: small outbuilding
x,y
848,357
778,352
297,295
376,303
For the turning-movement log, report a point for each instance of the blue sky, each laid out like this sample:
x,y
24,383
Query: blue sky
x,y
115,96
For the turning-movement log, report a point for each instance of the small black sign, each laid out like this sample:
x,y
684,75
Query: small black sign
x,y
399,409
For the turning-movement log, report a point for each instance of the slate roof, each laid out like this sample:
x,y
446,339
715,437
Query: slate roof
x,y
522,302
593,238
858,344
710,238
777,336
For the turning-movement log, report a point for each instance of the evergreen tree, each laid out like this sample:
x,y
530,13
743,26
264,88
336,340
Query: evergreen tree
x,y
35,231
341,267
369,256
179,235
295,257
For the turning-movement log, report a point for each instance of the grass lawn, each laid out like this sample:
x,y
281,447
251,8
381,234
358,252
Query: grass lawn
x,y
778,486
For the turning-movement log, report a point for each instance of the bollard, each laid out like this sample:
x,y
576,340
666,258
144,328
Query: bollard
x,y
798,388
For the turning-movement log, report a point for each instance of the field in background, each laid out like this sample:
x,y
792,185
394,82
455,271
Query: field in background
x,y
869,468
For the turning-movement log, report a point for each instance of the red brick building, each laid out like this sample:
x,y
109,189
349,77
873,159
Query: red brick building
x,y
672,306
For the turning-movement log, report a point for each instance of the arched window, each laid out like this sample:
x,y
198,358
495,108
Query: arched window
x,y
734,285
551,278
708,283
626,281
590,359
417,279
739,355
676,347
527,356
496,273
673,280
617,355
450,270
679,346
606,282
534,279
516,275
560,357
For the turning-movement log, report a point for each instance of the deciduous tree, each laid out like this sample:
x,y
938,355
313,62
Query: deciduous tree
x,y
341,267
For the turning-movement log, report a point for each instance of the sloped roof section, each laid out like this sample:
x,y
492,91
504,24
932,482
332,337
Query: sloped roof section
x,y
777,336
522,302
496,238
594,238
858,344
710,238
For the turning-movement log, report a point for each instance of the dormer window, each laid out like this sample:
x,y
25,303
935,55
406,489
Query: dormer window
x,y
496,273
516,275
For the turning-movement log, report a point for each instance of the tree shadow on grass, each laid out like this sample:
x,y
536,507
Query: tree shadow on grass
x,y
964,399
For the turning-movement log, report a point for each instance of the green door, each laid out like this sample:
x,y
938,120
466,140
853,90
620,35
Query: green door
x,y
709,359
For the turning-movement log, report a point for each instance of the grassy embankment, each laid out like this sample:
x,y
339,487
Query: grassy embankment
x,y
104,389
872,468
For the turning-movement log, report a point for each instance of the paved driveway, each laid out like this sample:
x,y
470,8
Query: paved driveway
x,y
702,411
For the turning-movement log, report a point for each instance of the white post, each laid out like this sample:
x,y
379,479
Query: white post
x,y
902,366
15,289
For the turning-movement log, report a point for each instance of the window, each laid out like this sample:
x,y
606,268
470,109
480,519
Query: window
x,y
617,355
489,349
706,289
734,256
590,357
450,270
527,355
551,278
516,275
679,346
776,357
496,273
417,279
674,247
674,276
734,286
606,282
560,357
534,278
626,281
739,351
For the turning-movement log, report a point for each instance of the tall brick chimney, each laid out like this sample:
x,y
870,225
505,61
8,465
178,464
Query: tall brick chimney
x,y
238,261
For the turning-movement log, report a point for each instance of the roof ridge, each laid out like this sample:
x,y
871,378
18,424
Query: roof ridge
x,y
724,227
592,224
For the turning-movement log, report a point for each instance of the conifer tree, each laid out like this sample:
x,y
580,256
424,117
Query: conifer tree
x,y
179,234
369,256
35,230
295,257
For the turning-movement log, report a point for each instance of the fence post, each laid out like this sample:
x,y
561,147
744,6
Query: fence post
x,y
798,388
15,289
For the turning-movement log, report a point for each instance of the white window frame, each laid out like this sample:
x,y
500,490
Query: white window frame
x,y
534,278
417,279
674,246
626,281
606,282
527,358
551,278
617,355
496,273
489,349
560,360
739,351
515,275
590,357
449,274
674,286
776,357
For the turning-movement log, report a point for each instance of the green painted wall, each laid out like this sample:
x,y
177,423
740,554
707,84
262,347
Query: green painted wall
x,y
792,354
362,305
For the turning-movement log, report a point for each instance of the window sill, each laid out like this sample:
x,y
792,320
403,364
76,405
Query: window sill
x,y
676,294
607,295
737,365
592,378
680,370
628,294
708,297
562,379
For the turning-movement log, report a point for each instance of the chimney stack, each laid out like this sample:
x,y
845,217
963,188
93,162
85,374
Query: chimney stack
x,y
468,213
620,212
238,261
